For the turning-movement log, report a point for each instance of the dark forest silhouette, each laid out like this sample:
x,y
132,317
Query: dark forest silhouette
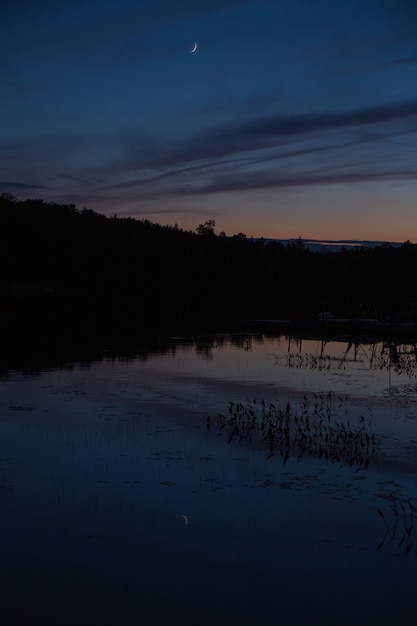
x,y
61,266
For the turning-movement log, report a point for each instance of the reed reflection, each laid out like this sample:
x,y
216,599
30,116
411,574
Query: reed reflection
x,y
308,428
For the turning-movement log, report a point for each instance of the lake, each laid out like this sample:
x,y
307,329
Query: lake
x,y
224,479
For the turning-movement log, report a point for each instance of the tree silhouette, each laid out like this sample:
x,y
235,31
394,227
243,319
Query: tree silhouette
x,y
61,266
206,229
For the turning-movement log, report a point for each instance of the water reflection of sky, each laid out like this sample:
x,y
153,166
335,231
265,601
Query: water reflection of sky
x,y
99,465
312,365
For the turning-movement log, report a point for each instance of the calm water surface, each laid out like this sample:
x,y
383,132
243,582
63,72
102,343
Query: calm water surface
x,y
126,498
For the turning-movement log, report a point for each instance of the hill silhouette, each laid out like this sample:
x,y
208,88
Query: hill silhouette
x,y
67,268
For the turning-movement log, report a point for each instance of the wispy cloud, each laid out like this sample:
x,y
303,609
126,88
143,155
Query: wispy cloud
x,y
402,61
240,157
334,147
259,133
268,181
12,186
273,132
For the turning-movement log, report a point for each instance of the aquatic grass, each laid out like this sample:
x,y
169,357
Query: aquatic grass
x,y
308,428
388,356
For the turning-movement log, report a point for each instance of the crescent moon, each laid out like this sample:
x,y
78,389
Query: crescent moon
x,y
194,47
185,518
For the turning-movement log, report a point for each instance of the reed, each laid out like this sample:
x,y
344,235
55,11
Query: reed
x,y
308,428
388,356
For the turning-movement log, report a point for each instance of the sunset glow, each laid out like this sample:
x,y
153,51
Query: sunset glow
x,y
289,120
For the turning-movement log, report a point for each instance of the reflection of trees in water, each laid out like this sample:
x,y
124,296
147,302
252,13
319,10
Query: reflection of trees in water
x,y
76,354
204,346
204,350
243,342
305,429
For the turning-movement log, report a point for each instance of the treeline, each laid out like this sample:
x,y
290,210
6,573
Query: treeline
x,y
66,265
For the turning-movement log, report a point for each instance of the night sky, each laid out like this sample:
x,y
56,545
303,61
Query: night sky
x,y
292,118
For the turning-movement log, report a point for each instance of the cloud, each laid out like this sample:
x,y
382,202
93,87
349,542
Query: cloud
x,y
17,186
258,133
319,148
268,181
216,165
409,60
274,132
230,157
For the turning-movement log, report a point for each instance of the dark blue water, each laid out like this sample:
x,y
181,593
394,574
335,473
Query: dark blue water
x,y
121,503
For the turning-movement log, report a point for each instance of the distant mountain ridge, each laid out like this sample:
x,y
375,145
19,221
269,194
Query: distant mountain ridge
x,y
328,245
